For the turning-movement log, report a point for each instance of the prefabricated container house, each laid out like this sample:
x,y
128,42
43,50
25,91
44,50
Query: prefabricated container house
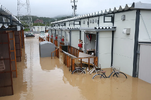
x,y
11,44
39,28
113,34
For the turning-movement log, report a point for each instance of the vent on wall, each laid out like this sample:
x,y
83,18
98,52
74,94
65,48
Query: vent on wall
x,y
126,31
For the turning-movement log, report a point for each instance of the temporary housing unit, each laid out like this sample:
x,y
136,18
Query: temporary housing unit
x,y
11,44
117,32
39,28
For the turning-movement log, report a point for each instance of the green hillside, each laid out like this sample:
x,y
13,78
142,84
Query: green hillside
x,y
47,21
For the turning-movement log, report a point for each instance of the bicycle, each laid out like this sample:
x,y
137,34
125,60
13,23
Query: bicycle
x,y
114,72
79,69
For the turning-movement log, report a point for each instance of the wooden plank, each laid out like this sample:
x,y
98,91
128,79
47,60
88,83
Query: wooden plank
x,y
5,86
67,60
96,61
12,91
81,63
20,42
71,50
6,72
4,43
70,61
23,42
64,55
73,67
68,49
10,38
17,41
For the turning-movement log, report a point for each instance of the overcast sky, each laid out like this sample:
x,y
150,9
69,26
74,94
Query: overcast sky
x,y
52,8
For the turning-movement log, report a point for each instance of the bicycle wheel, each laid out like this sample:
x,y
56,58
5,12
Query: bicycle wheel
x,y
101,75
80,71
120,74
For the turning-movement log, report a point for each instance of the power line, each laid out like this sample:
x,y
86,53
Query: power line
x,y
23,9
74,6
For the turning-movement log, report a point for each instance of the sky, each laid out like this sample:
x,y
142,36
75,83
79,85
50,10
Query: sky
x,y
53,8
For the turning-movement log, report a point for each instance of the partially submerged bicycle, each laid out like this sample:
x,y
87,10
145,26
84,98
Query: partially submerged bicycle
x,y
114,72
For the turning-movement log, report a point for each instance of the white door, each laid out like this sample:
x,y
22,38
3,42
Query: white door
x,y
145,63
104,56
75,39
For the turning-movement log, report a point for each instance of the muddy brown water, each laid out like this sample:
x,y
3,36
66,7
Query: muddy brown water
x,y
49,79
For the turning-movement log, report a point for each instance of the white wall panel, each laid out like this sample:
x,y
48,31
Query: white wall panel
x,y
93,22
67,24
145,63
39,28
74,38
104,44
84,25
67,38
101,22
145,26
124,44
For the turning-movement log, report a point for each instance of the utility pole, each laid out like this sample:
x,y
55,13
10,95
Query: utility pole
x,y
23,9
74,6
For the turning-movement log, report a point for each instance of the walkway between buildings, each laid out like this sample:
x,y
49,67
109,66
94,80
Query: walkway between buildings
x,y
49,79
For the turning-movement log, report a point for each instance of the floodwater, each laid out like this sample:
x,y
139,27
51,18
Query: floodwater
x,y
49,79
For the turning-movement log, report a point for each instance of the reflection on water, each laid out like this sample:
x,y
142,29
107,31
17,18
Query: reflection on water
x,y
49,79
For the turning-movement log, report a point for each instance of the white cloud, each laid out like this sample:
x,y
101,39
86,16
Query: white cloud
x,y
51,8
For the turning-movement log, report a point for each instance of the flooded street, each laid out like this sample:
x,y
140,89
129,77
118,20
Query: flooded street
x,y
49,79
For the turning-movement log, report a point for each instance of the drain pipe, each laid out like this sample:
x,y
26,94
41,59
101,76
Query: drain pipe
x,y
88,22
96,46
112,44
65,36
97,40
98,21
112,47
80,38
70,37
80,35
136,43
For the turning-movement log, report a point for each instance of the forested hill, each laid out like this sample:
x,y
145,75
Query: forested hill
x,y
46,20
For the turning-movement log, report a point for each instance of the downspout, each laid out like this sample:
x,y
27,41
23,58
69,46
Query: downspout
x,y
97,40
84,42
80,37
70,37
80,34
65,36
98,21
88,22
55,32
61,33
112,46
136,43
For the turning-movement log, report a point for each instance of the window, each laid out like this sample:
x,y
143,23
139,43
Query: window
x,y
108,19
93,21
90,21
96,20
84,22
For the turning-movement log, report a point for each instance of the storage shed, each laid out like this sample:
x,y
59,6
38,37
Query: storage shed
x,y
45,49
11,44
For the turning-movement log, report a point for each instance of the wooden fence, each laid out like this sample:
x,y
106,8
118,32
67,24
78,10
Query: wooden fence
x,y
72,57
